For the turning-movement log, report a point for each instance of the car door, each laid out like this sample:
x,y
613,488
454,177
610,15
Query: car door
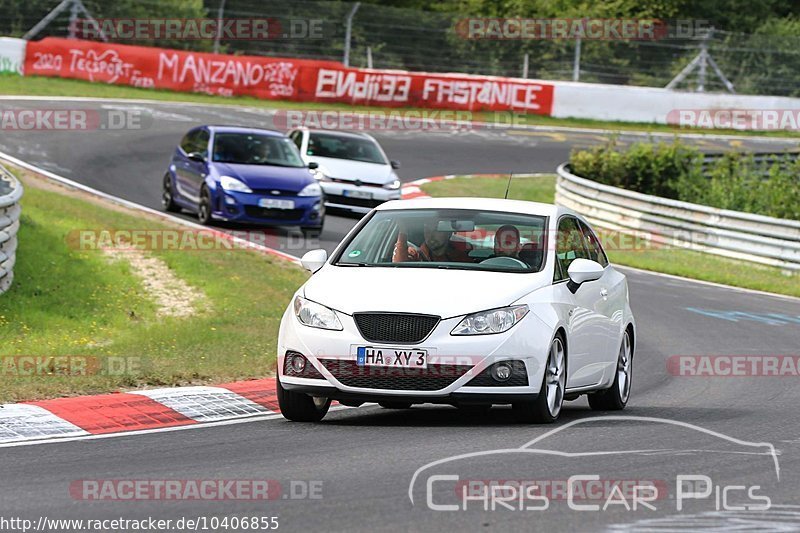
x,y
196,171
182,164
612,290
587,327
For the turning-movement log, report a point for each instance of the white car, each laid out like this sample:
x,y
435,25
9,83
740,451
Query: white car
x,y
353,170
415,306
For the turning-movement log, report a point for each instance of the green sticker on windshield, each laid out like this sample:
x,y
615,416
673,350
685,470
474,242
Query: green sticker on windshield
x,y
354,253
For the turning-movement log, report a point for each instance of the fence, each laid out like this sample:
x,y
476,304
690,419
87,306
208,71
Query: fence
x,y
10,193
767,63
745,236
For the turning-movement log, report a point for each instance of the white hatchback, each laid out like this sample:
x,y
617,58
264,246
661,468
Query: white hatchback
x,y
353,169
462,301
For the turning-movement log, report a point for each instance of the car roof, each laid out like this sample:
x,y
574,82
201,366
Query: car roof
x,y
478,204
243,129
340,133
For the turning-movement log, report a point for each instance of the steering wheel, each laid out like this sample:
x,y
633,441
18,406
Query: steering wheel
x,y
505,262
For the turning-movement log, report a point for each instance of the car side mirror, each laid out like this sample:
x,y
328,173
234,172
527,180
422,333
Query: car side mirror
x,y
197,157
582,270
312,165
395,164
314,260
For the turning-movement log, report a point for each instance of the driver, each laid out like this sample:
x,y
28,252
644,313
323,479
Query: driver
x,y
437,247
506,241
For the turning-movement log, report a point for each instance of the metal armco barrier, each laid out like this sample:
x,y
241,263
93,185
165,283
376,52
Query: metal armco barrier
x,y
665,222
10,193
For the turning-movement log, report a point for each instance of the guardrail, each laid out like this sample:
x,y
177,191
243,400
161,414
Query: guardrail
x,y
764,160
10,193
665,222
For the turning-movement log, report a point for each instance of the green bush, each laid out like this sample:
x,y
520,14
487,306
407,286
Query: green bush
x,y
675,170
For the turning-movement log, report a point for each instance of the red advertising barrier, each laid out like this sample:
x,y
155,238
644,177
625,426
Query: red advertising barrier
x,y
281,78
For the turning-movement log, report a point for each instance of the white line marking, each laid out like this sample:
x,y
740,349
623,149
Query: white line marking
x,y
708,283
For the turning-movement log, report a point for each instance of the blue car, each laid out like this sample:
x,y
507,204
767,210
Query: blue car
x,y
244,175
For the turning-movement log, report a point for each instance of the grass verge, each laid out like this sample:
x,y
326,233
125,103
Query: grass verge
x,y
71,302
674,261
11,84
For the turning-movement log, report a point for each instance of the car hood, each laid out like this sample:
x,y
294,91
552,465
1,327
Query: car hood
x,y
446,293
267,177
347,169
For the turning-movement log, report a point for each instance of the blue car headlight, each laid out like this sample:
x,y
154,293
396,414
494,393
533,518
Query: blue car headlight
x,y
312,189
232,184
491,321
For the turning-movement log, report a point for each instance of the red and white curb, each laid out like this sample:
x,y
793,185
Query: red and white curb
x,y
138,411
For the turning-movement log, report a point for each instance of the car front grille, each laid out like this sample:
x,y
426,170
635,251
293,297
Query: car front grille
x,y
274,214
433,378
346,200
400,328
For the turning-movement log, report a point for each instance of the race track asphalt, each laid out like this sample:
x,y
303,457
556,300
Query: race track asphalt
x,y
366,458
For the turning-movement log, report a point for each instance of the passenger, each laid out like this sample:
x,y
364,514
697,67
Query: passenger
x,y
438,246
506,241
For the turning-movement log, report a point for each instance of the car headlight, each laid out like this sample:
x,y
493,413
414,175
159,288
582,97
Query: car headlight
x,y
316,315
318,174
312,189
232,184
491,321
393,185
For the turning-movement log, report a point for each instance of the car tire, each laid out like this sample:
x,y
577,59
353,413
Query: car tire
x,y
616,397
299,407
167,196
204,208
547,406
395,405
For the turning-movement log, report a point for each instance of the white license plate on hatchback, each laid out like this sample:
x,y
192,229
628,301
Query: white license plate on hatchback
x,y
364,195
391,357
274,203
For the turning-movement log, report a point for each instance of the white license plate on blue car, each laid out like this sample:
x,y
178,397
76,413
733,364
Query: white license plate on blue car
x,y
391,357
274,203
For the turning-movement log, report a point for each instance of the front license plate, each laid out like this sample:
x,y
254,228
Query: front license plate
x,y
273,203
392,357
365,195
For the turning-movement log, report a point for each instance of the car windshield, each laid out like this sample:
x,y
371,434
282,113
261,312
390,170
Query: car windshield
x,y
449,238
255,149
345,147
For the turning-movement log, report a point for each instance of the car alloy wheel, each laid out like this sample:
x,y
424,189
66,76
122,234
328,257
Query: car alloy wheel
x,y
167,200
547,406
204,209
616,397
